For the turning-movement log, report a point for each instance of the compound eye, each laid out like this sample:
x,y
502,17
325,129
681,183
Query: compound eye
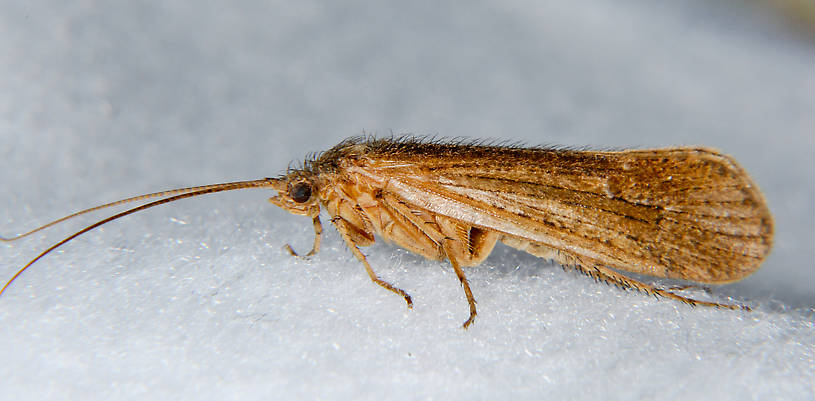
x,y
300,192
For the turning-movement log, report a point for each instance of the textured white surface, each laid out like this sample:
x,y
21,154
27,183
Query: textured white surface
x,y
197,300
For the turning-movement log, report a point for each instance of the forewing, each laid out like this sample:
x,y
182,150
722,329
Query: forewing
x,y
687,213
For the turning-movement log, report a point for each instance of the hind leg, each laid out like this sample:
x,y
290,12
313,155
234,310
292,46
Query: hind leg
x,y
609,276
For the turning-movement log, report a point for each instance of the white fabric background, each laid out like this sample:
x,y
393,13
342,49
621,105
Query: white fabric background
x,y
197,300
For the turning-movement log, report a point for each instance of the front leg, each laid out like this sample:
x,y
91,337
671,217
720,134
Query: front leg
x,y
315,247
352,237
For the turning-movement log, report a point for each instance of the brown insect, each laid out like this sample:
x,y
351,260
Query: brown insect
x,y
681,213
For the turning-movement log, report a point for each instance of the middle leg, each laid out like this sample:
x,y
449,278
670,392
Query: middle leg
x,y
346,231
453,257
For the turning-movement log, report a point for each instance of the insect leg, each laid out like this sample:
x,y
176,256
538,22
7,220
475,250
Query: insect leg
x,y
596,271
318,232
451,255
609,276
345,232
689,287
315,247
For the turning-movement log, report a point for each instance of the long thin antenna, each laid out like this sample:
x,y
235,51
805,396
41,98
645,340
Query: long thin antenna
x,y
116,203
181,194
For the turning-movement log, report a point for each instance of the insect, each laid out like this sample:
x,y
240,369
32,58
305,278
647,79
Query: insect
x,y
680,213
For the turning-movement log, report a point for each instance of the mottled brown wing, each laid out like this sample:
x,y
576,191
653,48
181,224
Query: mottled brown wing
x,y
686,213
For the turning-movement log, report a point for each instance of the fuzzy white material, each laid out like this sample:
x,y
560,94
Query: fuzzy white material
x,y
197,300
